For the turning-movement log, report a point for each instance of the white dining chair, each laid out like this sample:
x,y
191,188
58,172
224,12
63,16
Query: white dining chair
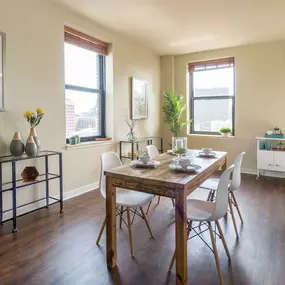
x,y
206,212
153,152
126,200
212,184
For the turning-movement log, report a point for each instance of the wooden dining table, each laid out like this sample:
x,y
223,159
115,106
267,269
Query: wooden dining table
x,y
165,182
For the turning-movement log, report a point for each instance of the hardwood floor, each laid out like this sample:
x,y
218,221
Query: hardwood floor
x,y
52,249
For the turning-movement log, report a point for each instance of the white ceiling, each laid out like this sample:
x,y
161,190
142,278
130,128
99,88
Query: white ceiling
x,y
183,26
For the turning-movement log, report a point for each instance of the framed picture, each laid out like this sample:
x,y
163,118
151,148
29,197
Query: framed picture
x,y
2,47
139,99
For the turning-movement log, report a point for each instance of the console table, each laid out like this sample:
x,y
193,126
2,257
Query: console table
x,y
18,183
135,143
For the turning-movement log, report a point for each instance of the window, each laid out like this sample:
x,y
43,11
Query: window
x,y
84,85
212,95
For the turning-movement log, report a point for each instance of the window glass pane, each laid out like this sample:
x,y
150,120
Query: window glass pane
x,y
81,67
82,113
211,115
217,82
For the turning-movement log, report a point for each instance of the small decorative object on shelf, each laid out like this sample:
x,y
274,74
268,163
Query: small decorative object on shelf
x,y
17,146
34,119
29,174
225,131
31,147
131,135
74,140
276,133
179,146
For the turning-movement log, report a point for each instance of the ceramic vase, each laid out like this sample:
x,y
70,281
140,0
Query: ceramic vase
x,y
36,139
17,146
31,147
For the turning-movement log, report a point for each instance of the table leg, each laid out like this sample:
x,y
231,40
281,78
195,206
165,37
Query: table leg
x,y
47,181
60,183
224,166
181,237
14,197
111,254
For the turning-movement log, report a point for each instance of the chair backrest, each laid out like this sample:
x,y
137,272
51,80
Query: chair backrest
x,y
236,179
152,151
109,160
222,195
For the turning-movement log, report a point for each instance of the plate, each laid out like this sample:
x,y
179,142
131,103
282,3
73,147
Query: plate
x,y
190,169
211,154
140,164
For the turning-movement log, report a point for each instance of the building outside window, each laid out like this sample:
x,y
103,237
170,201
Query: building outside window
x,y
84,85
212,95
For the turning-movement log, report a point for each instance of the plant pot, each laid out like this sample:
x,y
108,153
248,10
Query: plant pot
x,y
17,146
224,134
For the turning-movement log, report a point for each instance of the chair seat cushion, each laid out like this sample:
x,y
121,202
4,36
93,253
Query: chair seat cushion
x,y
129,198
211,184
198,210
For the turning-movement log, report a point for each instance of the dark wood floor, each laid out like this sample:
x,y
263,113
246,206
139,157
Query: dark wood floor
x,y
53,249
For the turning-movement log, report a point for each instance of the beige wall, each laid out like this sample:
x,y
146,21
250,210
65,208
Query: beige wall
x,y
260,97
35,77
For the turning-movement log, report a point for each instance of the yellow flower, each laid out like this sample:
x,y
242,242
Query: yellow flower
x,y
40,111
28,114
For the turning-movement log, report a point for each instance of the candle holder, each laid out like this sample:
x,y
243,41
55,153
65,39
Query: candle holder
x,y
179,146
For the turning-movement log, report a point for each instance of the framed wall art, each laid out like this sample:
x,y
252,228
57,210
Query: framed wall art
x,y
2,54
139,98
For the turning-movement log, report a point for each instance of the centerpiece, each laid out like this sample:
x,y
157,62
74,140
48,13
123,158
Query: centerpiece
x,y
173,109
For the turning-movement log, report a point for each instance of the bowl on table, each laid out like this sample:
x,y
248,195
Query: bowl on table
x,y
184,162
206,150
144,158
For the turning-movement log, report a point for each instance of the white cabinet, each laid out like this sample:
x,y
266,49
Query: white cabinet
x,y
273,160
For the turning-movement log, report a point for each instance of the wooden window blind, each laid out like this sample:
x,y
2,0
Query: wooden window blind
x,y
211,64
82,40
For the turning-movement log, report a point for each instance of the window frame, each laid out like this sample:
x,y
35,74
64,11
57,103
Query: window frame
x,y
101,91
193,98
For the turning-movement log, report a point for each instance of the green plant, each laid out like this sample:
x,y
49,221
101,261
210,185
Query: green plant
x,y
173,109
225,130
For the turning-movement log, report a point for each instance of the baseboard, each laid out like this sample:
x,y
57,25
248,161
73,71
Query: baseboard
x,y
66,195
79,191
268,173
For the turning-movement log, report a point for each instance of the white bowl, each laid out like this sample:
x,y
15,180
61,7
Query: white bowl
x,y
144,158
206,150
184,162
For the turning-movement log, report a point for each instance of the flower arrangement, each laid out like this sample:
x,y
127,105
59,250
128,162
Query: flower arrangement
x,y
131,136
34,118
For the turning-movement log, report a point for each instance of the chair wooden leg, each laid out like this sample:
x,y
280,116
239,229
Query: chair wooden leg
x,y
158,201
130,231
236,204
101,231
216,253
173,202
223,240
148,206
146,221
121,216
173,257
233,215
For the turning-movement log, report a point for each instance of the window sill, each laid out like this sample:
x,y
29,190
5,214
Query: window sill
x,y
89,144
200,136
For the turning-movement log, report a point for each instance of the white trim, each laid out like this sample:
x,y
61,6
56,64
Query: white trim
x,y
218,137
79,191
66,195
89,144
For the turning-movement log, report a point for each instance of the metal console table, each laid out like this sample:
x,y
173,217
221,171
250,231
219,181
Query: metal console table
x,y
17,183
148,140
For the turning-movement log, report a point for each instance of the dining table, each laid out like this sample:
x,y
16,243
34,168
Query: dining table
x,y
161,181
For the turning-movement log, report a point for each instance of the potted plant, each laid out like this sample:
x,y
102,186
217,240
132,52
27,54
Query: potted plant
x,y
225,131
173,110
